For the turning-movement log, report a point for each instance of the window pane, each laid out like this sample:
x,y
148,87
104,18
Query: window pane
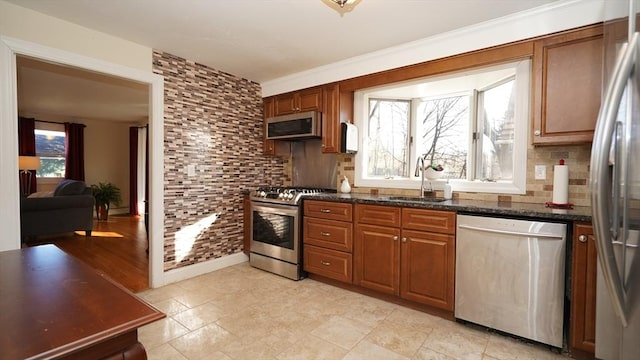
x,y
443,132
51,167
50,147
497,116
387,140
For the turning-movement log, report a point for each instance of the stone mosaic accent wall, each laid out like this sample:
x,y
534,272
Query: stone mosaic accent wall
x,y
577,157
212,120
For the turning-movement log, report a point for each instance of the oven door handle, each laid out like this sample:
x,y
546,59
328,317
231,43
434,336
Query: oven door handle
x,y
290,210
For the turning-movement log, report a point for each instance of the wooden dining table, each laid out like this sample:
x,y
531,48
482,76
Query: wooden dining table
x,y
52,306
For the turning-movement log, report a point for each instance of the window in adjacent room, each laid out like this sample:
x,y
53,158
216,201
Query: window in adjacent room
x,y
50,147
473,123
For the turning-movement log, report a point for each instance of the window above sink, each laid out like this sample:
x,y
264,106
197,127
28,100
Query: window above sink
x,y
473,123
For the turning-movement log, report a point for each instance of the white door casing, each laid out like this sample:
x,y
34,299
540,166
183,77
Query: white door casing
x,y
9,184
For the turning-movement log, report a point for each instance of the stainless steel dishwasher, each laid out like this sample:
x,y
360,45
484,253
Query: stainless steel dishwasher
x,y
510,276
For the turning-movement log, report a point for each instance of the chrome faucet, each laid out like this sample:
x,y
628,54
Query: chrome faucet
x,y
419,168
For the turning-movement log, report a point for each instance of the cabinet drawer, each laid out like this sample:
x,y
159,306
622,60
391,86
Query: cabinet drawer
x,y
330,234
329,263
429,220
378,215
328,210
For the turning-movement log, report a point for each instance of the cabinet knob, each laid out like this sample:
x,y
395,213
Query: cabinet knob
x,y
583,238
404,239
536,133
395,238
325,263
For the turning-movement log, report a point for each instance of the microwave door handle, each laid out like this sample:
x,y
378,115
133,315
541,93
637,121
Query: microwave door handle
x,y
601,183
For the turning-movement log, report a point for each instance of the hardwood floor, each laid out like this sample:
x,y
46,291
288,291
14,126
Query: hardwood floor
x,y
123,259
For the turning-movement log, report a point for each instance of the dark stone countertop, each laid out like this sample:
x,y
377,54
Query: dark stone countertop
x,y
509,209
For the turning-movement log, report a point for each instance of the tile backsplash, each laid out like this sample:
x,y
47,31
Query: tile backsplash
x,y
577,157
213,121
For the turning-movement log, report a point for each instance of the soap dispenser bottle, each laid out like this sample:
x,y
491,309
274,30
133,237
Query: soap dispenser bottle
x,y
448,192
345,187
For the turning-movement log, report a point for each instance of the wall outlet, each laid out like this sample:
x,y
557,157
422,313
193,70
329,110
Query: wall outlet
x,y
541,172
191,170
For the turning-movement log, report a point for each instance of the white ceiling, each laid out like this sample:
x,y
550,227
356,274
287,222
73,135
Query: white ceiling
x,y
259,40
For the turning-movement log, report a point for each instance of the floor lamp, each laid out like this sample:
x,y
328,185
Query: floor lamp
x,y
26,164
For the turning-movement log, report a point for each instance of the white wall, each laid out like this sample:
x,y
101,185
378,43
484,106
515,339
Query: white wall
x,y
28,25
555,17
106,156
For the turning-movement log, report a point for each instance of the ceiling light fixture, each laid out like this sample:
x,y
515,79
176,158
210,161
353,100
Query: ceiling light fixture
x,y
342,3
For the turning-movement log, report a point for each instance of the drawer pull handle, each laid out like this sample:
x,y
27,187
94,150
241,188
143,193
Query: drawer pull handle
x,y
325,210
324,233
325,263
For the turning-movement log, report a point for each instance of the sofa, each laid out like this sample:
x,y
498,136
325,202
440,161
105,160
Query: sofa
x,y
68,208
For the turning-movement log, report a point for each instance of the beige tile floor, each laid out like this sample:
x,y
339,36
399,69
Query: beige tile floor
x,y
244,313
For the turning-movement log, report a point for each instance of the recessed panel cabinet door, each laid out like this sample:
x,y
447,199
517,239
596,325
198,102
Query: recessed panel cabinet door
x,y
377,251
583,289
427,268
567,85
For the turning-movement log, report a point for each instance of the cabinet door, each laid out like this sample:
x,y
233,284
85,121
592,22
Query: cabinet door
x,y
427,268
567,84
310,99
583,289
268,145
285,104
331,119
377,255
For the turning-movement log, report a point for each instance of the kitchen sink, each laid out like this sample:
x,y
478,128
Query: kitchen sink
x,y
416,198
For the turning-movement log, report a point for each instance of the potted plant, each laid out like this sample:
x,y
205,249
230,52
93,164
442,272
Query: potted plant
x,y
105,195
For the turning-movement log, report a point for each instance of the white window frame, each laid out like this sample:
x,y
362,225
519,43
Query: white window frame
x,y
49,180
517,185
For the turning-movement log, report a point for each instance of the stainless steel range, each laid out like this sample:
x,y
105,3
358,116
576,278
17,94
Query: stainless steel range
x,y
275,229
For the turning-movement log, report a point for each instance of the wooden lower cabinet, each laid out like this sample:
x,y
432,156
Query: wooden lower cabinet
x,y
415,265
377,251
333,264
582,333
427,268
327,237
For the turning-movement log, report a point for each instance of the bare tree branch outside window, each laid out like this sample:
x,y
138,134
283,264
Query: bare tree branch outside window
x,y
444,133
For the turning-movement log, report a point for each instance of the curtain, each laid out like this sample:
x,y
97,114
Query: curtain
x,y
74,147
133,171
27,146
138,169
143,165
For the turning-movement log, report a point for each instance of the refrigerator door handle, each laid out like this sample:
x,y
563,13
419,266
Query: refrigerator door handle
x,y
601,184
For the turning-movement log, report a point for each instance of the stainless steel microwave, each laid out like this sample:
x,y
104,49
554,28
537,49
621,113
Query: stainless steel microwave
x,y
298,126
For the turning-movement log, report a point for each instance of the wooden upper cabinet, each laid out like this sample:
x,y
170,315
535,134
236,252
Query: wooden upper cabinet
x,y
582,323
331,119
269,147
299,101
567,85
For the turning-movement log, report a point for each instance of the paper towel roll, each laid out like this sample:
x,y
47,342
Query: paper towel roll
x,y
560,184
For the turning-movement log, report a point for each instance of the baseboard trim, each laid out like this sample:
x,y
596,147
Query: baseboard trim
x,y
194,270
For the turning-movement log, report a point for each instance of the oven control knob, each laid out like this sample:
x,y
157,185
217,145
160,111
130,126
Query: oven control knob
x,y
262,193
290,196
281,196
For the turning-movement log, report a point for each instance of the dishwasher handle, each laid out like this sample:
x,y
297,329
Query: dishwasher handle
x,y
517,233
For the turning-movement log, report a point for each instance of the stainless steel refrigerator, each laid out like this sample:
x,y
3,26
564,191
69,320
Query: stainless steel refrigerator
x,y
615,187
